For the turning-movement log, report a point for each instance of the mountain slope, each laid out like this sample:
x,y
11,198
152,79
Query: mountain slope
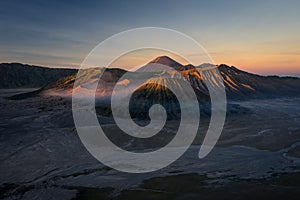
x,y
243,85
165,60
239,85
159,90
15,75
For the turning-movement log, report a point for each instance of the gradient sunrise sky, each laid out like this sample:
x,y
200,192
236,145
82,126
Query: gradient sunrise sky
x,y
257,36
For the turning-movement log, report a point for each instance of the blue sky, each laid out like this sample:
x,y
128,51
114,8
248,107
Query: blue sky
x,y
258,36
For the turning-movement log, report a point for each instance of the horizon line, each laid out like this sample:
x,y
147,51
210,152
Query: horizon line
x,y
76,68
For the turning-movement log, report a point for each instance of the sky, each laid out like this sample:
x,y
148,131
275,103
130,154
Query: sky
x,y
257,36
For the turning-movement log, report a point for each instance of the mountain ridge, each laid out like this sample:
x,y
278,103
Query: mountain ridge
x,y
15,75
239,84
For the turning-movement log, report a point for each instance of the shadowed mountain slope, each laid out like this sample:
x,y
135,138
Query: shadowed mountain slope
x,y
239,85
14,75
243,85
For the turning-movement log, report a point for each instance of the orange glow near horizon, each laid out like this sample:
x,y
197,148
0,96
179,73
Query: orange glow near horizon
x,y
253,63
141,57
263,64
258,63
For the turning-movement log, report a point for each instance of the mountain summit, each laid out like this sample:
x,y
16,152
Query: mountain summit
x,y
239,84
165,60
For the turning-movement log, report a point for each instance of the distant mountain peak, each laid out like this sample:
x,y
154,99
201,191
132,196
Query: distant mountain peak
x,y
165,60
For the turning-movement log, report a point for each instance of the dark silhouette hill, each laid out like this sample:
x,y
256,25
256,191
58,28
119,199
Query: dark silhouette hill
x,y
15,75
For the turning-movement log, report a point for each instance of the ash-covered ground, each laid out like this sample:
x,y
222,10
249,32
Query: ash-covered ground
x,y
257,156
